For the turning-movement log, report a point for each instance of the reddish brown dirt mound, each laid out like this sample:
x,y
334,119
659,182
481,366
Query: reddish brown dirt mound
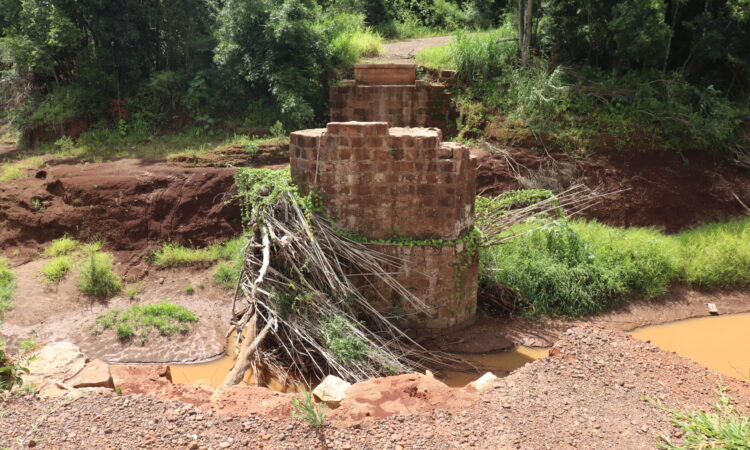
x,y
661,189
129,203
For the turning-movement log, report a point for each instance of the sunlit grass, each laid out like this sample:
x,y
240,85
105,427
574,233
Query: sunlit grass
x,y
173,255
165,317
579,268
19,169
7,286
61,246
56,269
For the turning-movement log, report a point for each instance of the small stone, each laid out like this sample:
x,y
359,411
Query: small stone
x,y
266,437
224,444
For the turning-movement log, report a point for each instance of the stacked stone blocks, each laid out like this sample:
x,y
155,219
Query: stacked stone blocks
x,y
385,94
390,184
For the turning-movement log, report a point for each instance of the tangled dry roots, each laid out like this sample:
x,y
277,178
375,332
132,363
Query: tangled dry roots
x,y
298,313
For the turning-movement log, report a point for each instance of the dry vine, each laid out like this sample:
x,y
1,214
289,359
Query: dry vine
x,y
298,313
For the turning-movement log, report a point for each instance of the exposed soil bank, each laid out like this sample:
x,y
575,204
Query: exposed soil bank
x,y
659,189
587,395
129,203
61,313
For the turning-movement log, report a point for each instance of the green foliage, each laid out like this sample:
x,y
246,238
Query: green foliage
x,y
173,255
10,372
97,277
56,269
7,286
260,189
61,247
580,268
18,169
717,255
227,272
306,409
351,39
339,338
165,317
189,289
724,427
277,48
132,291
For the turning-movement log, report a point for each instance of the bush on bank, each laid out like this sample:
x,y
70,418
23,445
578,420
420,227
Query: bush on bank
x,y
576,268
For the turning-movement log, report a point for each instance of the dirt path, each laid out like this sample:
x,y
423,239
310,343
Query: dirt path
x,y
589,394
404,51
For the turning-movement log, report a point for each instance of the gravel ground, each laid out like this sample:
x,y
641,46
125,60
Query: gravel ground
x,y
589,394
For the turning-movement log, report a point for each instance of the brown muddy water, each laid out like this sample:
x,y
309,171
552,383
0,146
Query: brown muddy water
x,y
212,373
719,342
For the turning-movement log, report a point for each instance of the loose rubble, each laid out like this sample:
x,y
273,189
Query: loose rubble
x,y
588,394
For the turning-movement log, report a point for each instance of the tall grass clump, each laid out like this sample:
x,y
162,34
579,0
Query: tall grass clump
x,y
7,286
351,40
56,269
164,317
60,247
576,268
97,277
173,255
717,255
645,259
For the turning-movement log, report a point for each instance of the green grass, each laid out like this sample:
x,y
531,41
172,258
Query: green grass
x,y
580,268
173,255
62,246
723,427
471,52
56,269
7,286
97,277
19,168
350,47
132,291
164,317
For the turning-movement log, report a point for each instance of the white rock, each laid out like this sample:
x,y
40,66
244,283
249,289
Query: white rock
x,y
483,382
53,364
332,391
59,361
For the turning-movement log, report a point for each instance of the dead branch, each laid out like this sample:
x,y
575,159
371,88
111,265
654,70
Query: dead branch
x,y
244,358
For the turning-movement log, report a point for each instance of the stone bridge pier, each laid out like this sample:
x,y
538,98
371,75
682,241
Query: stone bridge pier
x,y
409,195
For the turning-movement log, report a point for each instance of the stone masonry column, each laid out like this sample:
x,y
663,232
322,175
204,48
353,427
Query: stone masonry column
x,y
411,196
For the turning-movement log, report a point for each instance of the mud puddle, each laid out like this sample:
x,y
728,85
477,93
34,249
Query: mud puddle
x,y
719,342
499,363
212,373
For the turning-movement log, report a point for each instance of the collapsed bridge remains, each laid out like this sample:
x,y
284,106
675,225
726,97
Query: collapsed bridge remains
x,y
406,194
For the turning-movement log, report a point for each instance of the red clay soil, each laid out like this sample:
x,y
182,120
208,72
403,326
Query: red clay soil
x,y
591,393
662,189
129,203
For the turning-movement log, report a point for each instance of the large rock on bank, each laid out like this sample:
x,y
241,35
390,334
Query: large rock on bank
x,y
332,391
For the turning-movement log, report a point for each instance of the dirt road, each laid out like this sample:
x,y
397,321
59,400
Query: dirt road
x,y
404,51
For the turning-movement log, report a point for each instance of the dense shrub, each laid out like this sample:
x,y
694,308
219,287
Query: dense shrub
x,y
579,268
